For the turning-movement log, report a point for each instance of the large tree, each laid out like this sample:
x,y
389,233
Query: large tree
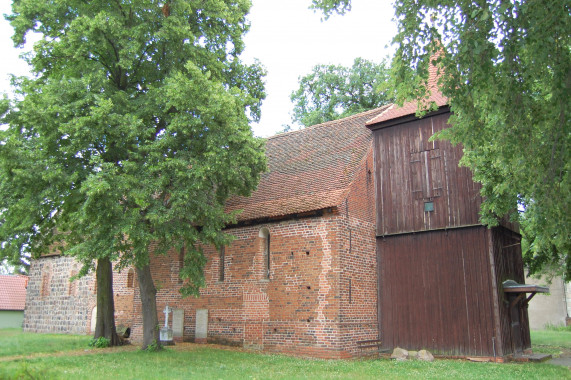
x,y
332,92
506,69
132,134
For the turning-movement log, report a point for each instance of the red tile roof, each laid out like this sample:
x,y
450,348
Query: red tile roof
x,y
409,108
308,170
13,292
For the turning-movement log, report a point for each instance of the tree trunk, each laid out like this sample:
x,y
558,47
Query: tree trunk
x,y
149,306
105,325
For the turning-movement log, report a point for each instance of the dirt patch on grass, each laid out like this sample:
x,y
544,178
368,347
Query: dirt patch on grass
x,y
80,352
187,346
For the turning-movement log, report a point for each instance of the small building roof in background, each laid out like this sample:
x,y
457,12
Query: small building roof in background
x,y
13,292
310,169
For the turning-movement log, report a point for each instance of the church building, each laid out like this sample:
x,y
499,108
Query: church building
x,y
361,231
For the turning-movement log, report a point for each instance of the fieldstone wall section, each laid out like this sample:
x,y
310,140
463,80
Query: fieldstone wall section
x,y
54,304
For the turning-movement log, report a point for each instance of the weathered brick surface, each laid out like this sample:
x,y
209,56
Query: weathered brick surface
x,y
321,295
56,305
359,282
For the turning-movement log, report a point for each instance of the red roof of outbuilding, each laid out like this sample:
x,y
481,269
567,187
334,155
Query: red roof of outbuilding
x,y
409,108
13,292
310,169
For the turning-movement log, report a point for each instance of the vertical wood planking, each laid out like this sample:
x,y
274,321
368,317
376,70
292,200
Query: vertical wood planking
x,y
434,292
440,271
411,170
508,265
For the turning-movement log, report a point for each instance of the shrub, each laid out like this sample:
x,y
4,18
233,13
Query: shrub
x,y
153,347
100,342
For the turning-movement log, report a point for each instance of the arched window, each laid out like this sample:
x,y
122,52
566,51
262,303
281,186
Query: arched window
x,y
130,278
265,235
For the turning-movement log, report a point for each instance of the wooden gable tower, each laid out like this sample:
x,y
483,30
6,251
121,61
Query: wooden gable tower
x,y
440,271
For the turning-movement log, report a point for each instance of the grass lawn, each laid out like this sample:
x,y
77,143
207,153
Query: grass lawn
x,y
552,341
14,342
205,362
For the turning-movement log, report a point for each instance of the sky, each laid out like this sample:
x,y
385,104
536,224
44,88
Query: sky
x,y
287,38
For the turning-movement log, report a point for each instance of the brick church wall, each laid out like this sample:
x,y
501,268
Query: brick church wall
x,y
359,283
123,293
295,310
307,305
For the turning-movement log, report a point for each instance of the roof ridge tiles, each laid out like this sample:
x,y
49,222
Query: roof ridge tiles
x,y
410,107
380,110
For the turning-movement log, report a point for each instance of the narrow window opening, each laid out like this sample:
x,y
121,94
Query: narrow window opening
x,y
222,263
72,290
268,257
180,264
130,278
45,289
265,235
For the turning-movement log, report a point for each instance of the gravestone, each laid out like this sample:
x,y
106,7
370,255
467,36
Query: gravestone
x,y
201,330
93,319
177,324
165,335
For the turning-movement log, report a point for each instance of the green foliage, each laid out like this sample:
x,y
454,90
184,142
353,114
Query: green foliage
x,y
154,347
332,92
134,130
331,6
506,69
100,342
